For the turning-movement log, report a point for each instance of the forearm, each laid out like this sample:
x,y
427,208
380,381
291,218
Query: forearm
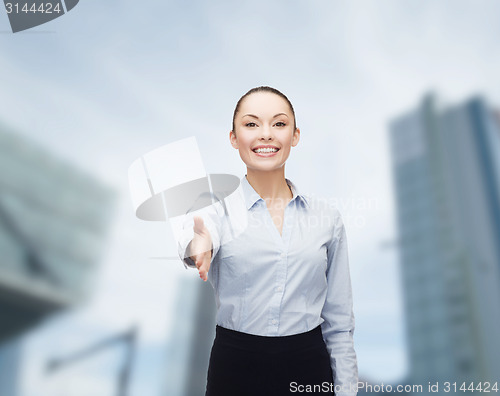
x,y
338,326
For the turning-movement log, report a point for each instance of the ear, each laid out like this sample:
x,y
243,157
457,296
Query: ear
x,y
233,139
296,137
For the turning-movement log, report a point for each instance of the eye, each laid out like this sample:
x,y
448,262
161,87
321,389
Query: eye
x,y
250,124
280,123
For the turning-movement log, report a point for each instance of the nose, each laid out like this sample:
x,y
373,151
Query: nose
x,y
266,133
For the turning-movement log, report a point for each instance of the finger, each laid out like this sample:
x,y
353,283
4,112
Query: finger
x,y
202,274
203,270
201,260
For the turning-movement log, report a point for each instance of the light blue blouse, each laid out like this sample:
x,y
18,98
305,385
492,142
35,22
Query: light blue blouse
x,y
275,285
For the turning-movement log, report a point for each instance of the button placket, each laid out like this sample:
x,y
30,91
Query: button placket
x,y
282,266
282,242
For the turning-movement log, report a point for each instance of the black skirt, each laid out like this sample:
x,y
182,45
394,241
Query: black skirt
x,y
244,364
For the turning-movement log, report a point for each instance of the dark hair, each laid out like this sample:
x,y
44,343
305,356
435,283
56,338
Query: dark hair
x,y
264,89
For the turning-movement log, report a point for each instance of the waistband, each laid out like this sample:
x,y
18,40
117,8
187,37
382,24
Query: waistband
x,y
252,342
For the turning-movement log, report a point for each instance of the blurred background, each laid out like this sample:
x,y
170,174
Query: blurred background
x,y
398,105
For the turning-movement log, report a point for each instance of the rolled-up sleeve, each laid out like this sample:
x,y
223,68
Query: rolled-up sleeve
x,y
212,218
338,325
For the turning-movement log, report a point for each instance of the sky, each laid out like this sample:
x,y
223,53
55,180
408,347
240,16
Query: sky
x,y
113,80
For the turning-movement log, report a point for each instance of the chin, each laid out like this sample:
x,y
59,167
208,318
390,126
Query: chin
x,y
269,168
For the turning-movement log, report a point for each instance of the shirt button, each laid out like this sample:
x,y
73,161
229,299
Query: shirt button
x,y
275,321
283,255
279,288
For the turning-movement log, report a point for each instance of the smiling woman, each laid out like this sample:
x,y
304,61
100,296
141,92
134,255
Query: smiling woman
x,y
282,286
264,127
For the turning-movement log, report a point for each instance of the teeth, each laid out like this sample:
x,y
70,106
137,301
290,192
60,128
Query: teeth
x,y
265,150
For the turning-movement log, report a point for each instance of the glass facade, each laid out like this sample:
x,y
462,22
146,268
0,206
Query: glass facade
x,y
53,220
445,180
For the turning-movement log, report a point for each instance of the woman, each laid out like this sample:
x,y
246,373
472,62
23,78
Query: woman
x,y
284,302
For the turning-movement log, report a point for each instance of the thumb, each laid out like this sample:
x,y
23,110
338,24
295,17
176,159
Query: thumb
x,y
199,225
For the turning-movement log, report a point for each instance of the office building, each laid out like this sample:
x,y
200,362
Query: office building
x,y
53,223
446,172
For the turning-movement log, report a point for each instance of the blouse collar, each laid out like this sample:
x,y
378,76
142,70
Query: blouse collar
x,y
251,196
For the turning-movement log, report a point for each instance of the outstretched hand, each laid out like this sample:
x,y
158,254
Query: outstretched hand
x,y
201,247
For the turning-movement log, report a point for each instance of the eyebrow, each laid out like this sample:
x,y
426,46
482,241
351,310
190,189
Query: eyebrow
x,y
254,116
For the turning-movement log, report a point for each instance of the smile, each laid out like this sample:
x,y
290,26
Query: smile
x,y
266,151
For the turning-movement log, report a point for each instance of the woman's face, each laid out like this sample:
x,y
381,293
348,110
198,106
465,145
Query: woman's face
x,y
264,120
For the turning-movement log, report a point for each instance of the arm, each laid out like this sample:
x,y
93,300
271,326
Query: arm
x,y
338,325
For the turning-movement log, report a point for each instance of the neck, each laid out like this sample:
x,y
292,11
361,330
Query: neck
x,y
270,185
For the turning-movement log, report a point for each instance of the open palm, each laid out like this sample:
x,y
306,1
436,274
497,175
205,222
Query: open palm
x,y
201,247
